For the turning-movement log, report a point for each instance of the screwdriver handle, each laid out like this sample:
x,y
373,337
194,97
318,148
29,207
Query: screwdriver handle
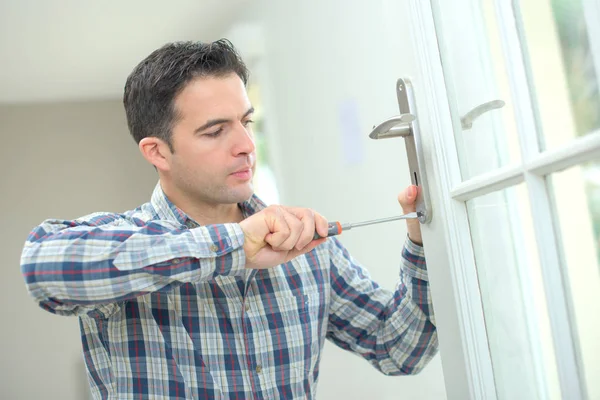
x,y
333,228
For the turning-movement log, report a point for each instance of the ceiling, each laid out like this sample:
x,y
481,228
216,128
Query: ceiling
x,y
66,50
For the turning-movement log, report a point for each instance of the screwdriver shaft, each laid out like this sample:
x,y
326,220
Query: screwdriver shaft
x,y
381,220
335,228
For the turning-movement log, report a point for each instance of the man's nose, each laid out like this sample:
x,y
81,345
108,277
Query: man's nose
x,y
244,140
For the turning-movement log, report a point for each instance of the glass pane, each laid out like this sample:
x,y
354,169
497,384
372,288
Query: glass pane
x,y
513,297
577,198
476,74
565,66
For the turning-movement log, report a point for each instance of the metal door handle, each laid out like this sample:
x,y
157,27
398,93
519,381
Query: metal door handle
x,y
393,127
406,125
467,120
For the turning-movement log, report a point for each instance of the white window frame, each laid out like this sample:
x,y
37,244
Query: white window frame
x,y
465,354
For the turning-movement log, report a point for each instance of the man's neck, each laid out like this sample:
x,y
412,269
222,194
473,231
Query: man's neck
x,y
205,214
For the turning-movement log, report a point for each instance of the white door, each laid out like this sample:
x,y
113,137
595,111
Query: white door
x,y
513,244
515,189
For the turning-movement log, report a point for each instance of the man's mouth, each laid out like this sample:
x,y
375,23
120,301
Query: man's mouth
x,y
244,174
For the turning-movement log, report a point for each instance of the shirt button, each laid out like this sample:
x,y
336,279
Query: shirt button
x,y
213,248
247,307
176,261
258,369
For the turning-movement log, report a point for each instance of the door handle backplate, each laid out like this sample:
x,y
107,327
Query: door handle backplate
x,y
406,125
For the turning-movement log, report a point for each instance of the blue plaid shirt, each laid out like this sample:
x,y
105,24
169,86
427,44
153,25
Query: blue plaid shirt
x,y
168,310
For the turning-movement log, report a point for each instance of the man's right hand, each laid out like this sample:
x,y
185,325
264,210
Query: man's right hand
x,y
278,234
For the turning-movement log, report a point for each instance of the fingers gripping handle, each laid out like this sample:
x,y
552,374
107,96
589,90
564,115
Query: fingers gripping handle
x,y
333,228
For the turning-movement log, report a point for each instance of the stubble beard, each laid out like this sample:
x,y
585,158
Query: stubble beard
x,y
222,194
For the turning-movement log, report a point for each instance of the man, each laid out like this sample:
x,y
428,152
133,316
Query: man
x,y
204,292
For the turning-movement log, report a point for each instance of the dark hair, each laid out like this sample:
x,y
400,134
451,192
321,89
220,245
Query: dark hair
x,y
154,83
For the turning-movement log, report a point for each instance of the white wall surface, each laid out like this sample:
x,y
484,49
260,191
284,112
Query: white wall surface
x,y
58,160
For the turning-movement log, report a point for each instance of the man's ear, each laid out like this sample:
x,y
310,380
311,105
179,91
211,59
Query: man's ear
x,y
156,152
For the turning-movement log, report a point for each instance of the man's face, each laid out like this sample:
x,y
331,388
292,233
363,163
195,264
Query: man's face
x,y
214,154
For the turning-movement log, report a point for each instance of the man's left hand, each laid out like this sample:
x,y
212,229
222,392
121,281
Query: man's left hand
x,y
407,200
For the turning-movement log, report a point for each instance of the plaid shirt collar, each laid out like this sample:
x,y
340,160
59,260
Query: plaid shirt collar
x,y
167,210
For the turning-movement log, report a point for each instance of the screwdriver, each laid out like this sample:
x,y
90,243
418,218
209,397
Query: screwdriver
x,y
335,228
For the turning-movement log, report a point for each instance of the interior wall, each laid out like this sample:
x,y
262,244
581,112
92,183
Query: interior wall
x,y
60,160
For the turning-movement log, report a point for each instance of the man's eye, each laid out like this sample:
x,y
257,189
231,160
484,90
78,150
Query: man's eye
x,y
248,122
215,133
